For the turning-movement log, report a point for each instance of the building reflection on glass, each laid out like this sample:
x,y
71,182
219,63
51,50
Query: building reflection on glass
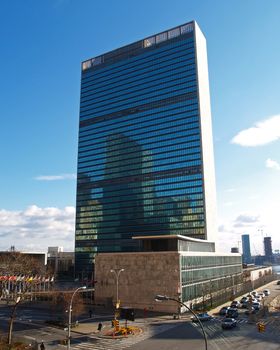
x,y
144,160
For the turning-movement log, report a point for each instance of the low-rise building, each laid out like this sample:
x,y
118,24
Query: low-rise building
x,y
60,263
180,267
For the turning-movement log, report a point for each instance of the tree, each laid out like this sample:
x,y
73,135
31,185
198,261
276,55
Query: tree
x,y
19,274
60,305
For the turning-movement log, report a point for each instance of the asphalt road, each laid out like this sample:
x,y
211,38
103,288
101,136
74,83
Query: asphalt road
x,y
165,335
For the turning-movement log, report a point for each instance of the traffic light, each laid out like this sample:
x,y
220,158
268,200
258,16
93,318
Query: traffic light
x,y
261,327
116,324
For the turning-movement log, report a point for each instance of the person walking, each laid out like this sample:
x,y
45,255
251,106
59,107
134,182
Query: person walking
x,y
42,346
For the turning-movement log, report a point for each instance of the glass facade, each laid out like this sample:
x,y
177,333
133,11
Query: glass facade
x,y
246,256
206,274
140,160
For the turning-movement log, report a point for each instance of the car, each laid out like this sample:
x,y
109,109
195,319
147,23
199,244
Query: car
x,y
254,293
235,304
250,295
258,297
232,313
228,323
223,310
244,300
278,283
266,292
256,305
202,317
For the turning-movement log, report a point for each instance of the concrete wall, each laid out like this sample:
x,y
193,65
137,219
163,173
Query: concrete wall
x,y
145,275
206,136
260,272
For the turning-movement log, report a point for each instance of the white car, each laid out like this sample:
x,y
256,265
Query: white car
x,y
266,292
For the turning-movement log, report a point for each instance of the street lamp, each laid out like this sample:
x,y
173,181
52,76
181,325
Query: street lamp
x,y
164,297
12,320
70,316
117,274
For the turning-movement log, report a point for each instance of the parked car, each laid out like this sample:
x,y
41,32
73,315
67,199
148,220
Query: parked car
x,y
258,297
223,310
244,300
266,292
228,323
232,313
250,295
256,305
251,301
235,304
278,283
254,293
202,317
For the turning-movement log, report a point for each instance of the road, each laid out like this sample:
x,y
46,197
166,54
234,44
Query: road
x,y
159,334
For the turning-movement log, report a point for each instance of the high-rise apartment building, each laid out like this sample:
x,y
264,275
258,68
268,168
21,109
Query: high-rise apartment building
x,y
246,256
145,158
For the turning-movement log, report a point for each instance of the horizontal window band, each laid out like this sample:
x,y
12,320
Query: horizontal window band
x,y
146,177
142,107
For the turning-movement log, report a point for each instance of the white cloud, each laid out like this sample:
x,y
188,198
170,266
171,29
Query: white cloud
x,y
261,133
37,228
229,232
246,220
56,177
272,164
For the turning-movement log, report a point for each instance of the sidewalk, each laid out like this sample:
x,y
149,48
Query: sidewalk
x,y
90,326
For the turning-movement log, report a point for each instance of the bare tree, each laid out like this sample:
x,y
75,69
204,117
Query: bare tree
x,y
60,305
18,277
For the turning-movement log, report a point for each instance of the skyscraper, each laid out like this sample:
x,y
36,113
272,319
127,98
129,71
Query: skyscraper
x,y
268,249
145,158
246,256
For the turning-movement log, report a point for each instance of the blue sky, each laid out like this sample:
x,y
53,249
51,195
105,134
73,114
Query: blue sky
x,y
42,46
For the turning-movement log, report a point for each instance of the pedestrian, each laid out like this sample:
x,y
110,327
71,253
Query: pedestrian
x,y
42,346
90,313
99,328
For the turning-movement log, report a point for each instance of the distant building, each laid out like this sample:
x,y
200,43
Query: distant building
x,y
268,249
246,256
60,263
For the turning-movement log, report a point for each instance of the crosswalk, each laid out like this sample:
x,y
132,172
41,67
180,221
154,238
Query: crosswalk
x,y
96,343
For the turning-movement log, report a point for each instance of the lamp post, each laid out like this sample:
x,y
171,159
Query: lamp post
x,y
70,316
164,297
117,274
12,320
